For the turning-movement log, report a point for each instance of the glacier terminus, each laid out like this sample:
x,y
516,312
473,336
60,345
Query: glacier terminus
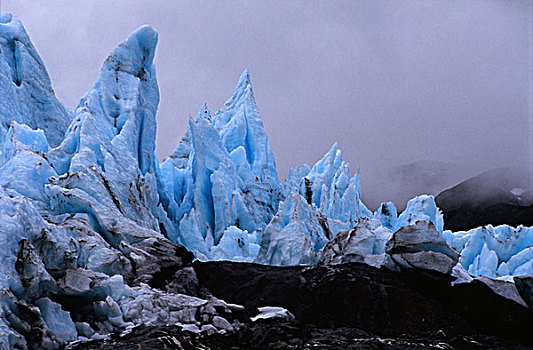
x,y
90,219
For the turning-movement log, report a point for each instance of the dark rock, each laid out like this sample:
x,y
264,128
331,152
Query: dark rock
x,y
160,260
379,301
524,286
285,335
184,281
503,288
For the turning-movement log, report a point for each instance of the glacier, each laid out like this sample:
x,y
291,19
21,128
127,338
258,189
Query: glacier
x,y
87,212
83,206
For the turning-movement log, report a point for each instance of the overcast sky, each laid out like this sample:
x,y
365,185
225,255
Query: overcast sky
x,y
391,81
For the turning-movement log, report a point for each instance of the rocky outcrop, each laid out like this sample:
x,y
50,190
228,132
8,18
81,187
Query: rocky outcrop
x,y
420,246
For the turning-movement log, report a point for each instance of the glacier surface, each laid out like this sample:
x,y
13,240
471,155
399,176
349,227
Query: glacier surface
x,y
497,252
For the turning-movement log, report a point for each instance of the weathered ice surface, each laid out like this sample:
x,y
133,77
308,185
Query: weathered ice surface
x,y
365,242
421,236
293,237
421,246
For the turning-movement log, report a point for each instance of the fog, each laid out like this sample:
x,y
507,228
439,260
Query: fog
x,y
446,84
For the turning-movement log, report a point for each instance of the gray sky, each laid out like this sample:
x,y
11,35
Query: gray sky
x,y
391,81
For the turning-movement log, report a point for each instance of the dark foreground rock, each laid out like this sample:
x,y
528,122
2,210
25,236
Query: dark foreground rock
x,y
380,301
350,306
284,335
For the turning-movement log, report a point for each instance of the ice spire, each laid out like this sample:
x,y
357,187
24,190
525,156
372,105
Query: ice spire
x,y
222,173
330,189
27,94
109,150
211,189
126,96
181,154
321,175
240,125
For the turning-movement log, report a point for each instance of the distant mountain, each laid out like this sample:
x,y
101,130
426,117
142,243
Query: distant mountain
x,y
496,197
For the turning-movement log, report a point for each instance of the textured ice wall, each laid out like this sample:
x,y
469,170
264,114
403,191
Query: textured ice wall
x,y
293,237
82,219
494,251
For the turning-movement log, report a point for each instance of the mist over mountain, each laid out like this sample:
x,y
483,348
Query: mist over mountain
x,y
497,197
401,183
